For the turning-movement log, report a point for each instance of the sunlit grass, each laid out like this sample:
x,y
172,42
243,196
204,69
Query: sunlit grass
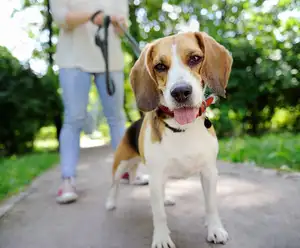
x,y
272,150
17,172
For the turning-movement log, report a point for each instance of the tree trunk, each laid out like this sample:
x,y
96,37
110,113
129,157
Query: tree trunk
x,y
57,118
49,27
254,118
134,31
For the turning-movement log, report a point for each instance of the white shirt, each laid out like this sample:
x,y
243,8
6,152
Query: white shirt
x,y
76,48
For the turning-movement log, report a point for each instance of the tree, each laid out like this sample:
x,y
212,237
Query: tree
x,y
28,102
265,49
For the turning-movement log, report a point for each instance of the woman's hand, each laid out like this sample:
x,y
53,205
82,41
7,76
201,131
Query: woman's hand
x,y
116,22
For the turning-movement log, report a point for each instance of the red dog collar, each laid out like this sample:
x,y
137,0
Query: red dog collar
x,y
205,104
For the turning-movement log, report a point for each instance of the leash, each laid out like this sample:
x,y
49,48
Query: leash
x,y
101,40
134,44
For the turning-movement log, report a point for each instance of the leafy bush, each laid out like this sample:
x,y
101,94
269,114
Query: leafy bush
x,y
278,150
266,55
27,103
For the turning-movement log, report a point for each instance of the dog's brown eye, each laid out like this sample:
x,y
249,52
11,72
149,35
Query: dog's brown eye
x,y
194,60
160,67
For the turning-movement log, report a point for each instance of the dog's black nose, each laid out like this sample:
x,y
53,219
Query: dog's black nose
x,y
181,92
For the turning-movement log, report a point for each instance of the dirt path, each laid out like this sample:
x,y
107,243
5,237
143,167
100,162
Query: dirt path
x,y
259,208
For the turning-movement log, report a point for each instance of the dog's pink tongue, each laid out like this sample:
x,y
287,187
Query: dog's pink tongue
x,y
185,115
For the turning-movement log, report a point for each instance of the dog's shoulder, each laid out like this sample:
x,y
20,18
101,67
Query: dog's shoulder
x,y
133,133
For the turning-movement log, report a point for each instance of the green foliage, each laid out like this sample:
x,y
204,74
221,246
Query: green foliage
x,y
27,103
18,172
265,48
271,150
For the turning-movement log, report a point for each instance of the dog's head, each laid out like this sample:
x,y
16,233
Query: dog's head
x,y
173,71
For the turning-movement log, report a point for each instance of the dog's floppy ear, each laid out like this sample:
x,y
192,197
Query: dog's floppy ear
x,y
216,65
143,82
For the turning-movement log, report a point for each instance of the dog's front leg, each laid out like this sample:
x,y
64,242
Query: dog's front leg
x,y
168,200
161,234
216,231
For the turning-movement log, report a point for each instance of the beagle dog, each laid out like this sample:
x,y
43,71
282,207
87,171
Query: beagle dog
x,y
174,138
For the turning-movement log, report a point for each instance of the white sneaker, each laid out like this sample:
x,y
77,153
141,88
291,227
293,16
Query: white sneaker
x,y
140,179
67,192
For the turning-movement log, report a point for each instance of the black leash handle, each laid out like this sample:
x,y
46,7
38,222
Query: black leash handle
x,y
103,44
110,85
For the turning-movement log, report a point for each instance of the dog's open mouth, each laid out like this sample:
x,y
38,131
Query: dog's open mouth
x,y
185,115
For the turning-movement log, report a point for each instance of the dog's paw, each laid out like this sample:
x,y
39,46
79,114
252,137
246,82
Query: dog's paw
x,y
110,204
169,201
162,241
217,235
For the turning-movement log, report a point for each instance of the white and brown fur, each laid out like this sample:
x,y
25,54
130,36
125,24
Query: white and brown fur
x,y
165,153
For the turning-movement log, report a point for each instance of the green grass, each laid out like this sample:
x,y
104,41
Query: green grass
x,y
271,151
18,172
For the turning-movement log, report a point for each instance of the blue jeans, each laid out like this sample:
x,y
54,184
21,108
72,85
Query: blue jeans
x,y
75,86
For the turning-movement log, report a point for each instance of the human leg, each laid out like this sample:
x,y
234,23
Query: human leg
x,y
113,105
75,86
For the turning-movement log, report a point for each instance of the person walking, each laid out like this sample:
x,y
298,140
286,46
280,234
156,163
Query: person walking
x,y
79,60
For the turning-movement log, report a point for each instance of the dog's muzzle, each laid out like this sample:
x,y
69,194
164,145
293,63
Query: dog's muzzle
x,y
181,92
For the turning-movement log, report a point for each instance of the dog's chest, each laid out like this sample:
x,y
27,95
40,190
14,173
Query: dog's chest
x,y
184,154
183,157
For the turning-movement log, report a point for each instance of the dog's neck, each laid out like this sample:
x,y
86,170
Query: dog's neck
x,y
164,112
